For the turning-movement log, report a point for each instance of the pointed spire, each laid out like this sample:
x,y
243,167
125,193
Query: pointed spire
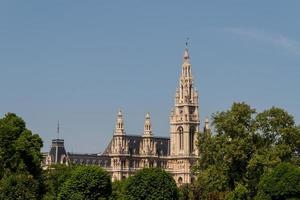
x,y
186,55
120,124
120,113
186,66
147,126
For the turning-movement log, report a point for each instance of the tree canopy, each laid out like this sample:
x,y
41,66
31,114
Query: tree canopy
x,y
151,183
282,182
245,144
54,178
86,182
20,160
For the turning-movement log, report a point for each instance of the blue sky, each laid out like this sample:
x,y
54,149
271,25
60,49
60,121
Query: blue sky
x,y
80,61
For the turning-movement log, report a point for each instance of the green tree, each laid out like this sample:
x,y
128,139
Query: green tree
x,y
184,192
86,182
19,187
20,158
151,183
240,193
54,178
118,190
245,144
281,183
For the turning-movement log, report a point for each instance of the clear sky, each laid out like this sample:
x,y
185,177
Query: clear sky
x,y
80,61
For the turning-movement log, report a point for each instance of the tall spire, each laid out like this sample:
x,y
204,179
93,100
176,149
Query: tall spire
x,y
147,126
184,119
120,124
186,66
186,93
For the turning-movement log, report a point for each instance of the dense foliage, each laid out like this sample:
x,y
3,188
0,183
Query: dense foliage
x,y
54,178
19,187
245,145
151,183
118,190
283,182
86,182
20,160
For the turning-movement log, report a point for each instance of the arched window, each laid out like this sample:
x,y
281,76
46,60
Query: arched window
x,y
192,136
180,132
179,180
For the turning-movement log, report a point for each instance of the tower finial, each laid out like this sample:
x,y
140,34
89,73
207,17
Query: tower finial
x,y
186,56
58,129
187,42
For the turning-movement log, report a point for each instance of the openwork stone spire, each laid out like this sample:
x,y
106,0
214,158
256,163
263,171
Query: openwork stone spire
x,y
184,120
147,126
120,124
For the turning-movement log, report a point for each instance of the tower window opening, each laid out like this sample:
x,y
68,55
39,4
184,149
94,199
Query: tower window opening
x,y
180,131
192,136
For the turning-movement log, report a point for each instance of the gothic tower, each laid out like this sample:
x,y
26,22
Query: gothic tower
x,y
147,145
184,120
119,143
119,149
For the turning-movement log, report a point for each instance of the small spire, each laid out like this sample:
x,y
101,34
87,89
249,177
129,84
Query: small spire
x,y
58,129
147,126
120,113
148,115
186,55
186,51
120,124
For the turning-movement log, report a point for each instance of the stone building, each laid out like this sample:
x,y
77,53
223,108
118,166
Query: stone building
x,y
125,154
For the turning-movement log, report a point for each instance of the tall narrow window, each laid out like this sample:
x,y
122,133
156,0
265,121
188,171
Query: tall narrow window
x,y
180,131
192,136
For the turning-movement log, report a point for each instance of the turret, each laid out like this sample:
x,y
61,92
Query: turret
x,y
119,124
119,143
147,126
147,146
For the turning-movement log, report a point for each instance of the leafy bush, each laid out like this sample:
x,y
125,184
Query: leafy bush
x,y
86,182
151,183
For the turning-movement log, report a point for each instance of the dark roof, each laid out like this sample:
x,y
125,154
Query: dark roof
x,y
95,159
57,146
162,145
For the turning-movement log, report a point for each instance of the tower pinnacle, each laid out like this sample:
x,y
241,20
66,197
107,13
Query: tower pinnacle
x,y
120,124
147,127
186,56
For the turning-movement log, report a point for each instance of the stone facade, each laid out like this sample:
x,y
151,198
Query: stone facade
x,y
125,154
